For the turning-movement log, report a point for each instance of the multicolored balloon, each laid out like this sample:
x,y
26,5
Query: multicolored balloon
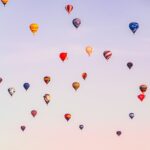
x,y
143,88
76,22
11,91
107,54
47,98
67,116
134,26
69,8
34,27
47,79
4,2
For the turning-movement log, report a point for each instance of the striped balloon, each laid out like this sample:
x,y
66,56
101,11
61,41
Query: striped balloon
x,y
69,8
107,54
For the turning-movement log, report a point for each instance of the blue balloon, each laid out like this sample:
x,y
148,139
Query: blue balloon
x,y
26,86
133,26
76,22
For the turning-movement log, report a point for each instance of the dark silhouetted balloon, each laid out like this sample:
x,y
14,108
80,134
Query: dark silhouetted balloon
x,y
131,115
76,22
81,127
129,65
26,86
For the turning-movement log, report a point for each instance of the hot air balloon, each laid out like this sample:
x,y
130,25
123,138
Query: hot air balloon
x,y
84,75
4,2
34,27
107,54
23,128
75,85
26,86
47,98
89,50
133,26
47,79
143,88
11,91
129,65
118,133
76,22
69,8
63,56
81,127
33,113
141,97
131,115
1,80
67,116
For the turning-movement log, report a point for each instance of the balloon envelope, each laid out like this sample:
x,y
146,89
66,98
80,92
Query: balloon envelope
x,y
76,85
76,22
47,98
129,65
143,88
34,27
131,115
23,128
63,56
4,2
67,116
81,127
47,79
133,26
69,8
26,86
118,133
141,97
33,113
11,91
107,54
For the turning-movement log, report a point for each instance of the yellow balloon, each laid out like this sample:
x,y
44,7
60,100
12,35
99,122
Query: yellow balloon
x,y
4,2
76,85
89,50
34,27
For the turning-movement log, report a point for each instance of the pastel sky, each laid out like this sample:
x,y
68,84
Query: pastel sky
x,y
105,98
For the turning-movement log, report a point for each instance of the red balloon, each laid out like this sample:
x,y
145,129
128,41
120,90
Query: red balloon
x,y
84,75
69,8
23,128
67,116
141,97
107,54
33,113
63,56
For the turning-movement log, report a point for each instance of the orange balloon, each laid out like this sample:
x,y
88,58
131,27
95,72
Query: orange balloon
x,y
67,116
89,50
75,85
34,27
47,79
4,2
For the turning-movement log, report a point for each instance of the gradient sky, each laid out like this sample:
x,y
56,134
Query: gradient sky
x,y
103,101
